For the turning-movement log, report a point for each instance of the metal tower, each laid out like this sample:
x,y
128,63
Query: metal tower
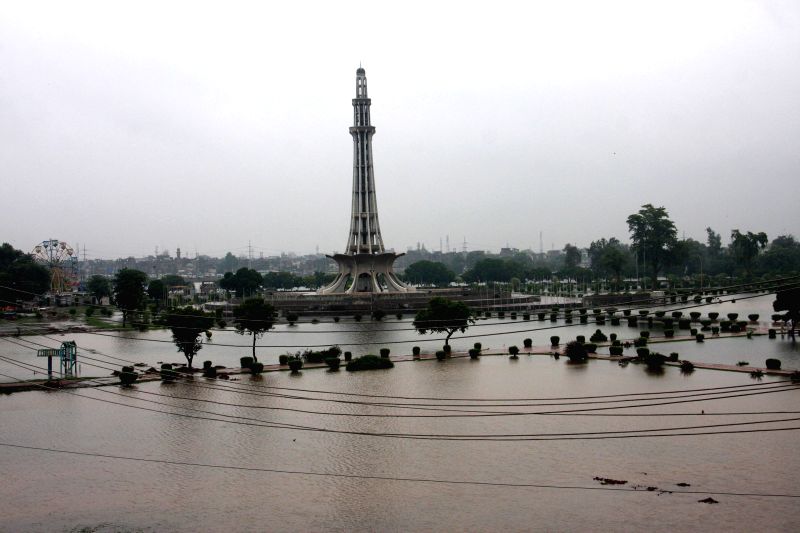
x,y
365,266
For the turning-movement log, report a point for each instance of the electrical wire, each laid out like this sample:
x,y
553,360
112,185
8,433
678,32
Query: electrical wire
x,y
385,478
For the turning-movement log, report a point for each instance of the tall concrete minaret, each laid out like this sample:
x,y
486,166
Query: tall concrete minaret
x,y
365,266
365,231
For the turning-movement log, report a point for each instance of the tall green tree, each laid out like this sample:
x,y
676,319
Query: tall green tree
x,y
157,291
245,281
654,237
572,256
443,315
745,247
609,258
783,256
187,324
129,291
253,316
99,287
429,273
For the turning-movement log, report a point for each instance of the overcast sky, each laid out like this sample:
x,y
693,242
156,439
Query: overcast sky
x,y
130,125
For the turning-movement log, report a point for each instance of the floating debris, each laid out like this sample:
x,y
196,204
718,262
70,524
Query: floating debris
x,y
609,481
683,484
707,500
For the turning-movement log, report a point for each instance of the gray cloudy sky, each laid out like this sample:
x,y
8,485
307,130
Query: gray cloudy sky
x,y
130,125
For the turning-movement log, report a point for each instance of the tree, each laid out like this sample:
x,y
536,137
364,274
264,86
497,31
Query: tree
x,y
714,242
229,263
493,269
245,281
186,325
572,256
129,291
745,247
788,300
171,280
783,256
99,287
654,237
281,280
429,273
21,278
157,290
253,316
443,316
26,279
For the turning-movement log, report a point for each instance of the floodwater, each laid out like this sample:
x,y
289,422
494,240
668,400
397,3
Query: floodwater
x,y
101,352
47,491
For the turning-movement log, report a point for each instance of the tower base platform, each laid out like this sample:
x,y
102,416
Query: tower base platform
x,y
366,273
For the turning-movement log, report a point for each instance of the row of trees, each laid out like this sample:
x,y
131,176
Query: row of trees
x,y
247,281
655,250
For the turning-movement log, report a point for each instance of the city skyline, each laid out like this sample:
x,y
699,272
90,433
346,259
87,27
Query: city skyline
x,y
495,124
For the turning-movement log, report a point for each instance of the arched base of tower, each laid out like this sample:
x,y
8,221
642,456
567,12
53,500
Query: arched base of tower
x,y
365,273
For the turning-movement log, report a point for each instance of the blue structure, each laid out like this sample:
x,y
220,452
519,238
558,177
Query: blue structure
x,y
68,358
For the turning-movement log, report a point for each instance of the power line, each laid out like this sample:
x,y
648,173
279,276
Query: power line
x,y
615,398
254,422
382,478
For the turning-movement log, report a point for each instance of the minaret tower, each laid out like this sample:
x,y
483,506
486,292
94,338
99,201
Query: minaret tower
x,y
365,266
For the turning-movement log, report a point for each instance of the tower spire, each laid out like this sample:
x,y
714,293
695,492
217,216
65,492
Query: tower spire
x,y
365,266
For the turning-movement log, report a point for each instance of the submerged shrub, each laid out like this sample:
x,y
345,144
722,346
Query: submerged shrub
x,y
333,362
513,350
385,352
128,376
167,373
773,364
473,353
655,360
527,343
687,367
554,340
370,362
245,362
575,351
441,355
615,351
256,368
598,336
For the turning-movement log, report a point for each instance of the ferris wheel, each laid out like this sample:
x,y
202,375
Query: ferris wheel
x,y
60,258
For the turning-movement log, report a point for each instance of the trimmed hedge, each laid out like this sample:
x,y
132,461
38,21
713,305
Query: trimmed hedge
x,y
370,362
